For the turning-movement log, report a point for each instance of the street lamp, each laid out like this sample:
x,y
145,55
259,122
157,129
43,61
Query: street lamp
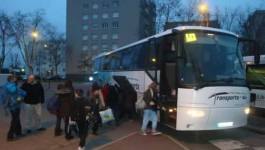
x,y
203,8
34,34
204,11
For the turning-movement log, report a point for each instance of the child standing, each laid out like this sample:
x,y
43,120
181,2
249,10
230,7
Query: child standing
x,y
81,113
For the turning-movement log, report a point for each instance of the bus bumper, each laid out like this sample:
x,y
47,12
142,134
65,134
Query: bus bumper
x,y
210,118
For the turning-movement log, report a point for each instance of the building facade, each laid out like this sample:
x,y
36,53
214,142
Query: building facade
x,y
95,26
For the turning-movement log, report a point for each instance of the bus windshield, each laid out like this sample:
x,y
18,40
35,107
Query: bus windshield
x,y
214,57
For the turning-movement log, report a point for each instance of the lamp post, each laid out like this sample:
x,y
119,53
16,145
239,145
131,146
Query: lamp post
x,y
204,11
34,35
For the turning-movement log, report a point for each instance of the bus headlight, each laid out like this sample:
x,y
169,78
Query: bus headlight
x,y
247,110
196,113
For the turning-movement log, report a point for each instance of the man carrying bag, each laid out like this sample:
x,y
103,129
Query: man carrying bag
x,y
150,110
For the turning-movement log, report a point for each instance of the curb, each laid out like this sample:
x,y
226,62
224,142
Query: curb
x,y
255,129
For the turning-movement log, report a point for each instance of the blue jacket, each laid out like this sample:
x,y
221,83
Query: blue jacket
x,y
11,96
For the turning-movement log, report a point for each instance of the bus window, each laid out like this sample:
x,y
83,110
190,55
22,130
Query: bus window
x,y
115,61
126,61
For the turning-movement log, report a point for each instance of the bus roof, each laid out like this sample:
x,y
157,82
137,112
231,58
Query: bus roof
x,y
167,32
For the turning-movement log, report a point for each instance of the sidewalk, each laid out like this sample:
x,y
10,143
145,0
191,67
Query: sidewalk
x,y
124,137
256,123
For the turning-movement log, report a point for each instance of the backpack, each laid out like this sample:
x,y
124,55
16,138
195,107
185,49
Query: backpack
x,y
53,105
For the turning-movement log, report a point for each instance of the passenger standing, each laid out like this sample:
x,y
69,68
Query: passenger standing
x,y
58,130
129,97
150,110
105,92
33,101
13,97
66,97
97,102
81,114
113,102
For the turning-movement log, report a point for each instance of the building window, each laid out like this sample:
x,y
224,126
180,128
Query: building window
x,y
105,25
105,5
86,6
94,47
114,46
105,16
85,17
95,16
85,37
115,36
85,27
95,6
105,46
115,24
115,15
115,3
94,36
85,48
104,36
95,25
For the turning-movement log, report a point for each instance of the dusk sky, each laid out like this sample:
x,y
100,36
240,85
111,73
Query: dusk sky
x,y
56,9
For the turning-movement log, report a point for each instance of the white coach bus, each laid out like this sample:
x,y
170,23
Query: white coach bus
x,y
199,71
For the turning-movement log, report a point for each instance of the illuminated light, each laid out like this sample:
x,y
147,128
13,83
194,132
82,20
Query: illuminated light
x,y
210,34
91,78
247,110
175,109
225,124
22,70
203,8
153,60
196,113
170,110
35,34
190,37
45,45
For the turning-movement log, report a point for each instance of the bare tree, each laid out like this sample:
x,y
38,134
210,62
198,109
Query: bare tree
x,y
189,10
5,36
167,10
15,61
56,47
23,25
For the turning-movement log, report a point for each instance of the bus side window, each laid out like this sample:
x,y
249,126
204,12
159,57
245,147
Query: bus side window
x,y
115,61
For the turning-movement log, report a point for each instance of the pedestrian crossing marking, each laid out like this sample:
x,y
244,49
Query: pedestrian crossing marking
x,y
228,144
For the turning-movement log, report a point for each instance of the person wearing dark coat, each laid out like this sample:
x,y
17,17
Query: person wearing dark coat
x,y
66,98
81,113
33,101
58,130
113,102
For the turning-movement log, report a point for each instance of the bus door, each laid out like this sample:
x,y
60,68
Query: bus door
x,y
168,77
